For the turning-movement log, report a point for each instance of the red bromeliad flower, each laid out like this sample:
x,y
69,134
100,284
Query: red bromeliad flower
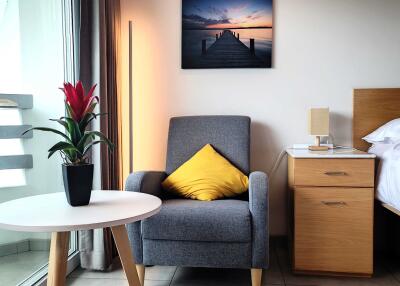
x,y
77,103
77,140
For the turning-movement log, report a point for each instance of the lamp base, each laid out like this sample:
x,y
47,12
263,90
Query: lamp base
x,y
318,148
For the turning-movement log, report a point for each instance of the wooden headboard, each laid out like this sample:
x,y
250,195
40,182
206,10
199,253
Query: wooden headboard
x,y
373,108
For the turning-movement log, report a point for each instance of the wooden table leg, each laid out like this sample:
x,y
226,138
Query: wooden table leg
x,y
58,258
125,254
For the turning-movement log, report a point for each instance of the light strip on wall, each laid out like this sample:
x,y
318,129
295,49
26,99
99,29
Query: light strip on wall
x,y
130,100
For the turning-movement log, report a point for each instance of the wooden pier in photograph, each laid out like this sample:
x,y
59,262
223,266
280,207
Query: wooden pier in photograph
x,y
228,51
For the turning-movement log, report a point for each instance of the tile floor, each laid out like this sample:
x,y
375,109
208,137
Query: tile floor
x,y
17,267
386,274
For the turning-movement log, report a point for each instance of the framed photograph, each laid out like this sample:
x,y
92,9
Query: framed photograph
x,y
226,34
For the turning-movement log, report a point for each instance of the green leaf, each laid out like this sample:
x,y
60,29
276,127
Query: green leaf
x,y
86,120
61,146
74,131
49,130
73,155
101,114
102,137
61,121
90,145
89,117
82,143
69,110
70,155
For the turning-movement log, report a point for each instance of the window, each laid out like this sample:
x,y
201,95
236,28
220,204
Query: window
x,y
31,62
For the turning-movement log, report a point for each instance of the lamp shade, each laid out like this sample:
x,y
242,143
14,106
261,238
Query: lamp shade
x,y
318,121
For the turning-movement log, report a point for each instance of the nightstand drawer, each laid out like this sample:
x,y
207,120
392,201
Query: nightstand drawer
x,y
333,227
334,172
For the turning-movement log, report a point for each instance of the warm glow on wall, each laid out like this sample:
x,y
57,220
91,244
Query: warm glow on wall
x,y
148,110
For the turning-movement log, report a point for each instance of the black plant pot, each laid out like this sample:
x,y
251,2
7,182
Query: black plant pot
x,y
78,181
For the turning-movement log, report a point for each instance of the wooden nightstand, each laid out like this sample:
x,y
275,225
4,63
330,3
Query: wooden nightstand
x,y
331,206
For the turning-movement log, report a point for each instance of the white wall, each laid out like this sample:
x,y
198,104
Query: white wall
x,y
322,50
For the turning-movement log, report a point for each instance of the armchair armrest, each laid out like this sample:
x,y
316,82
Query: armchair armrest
x,y
144,182
258,204
148,182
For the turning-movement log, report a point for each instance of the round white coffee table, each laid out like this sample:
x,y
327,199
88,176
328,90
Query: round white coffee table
x,y
52,213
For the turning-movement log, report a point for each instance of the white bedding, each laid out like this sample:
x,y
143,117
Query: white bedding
x,y
388,176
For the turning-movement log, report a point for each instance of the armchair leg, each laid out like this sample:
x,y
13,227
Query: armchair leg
x,y
141,272
256,275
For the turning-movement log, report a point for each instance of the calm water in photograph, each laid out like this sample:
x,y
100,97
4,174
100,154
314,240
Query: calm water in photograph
x,y
192,41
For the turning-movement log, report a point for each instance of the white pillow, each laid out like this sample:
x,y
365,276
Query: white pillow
x,y
388,133
379,149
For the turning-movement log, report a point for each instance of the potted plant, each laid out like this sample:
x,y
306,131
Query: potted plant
x,y
77,142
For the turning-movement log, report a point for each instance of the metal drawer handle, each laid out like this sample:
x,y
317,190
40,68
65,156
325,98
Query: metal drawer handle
x,y
335,173
334,203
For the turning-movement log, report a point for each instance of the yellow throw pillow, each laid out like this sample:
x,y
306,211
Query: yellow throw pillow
x,y
206,176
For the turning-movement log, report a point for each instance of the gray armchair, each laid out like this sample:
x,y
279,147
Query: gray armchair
x,y
228,233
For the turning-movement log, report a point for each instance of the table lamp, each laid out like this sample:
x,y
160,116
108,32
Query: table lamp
x,y
318,123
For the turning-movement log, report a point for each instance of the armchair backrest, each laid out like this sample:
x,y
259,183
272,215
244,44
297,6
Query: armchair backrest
x,y
229,135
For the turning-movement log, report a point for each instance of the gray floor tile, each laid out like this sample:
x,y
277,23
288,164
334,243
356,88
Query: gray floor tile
x,y
79,281
210,276
387,281
156,283
273,275
89,278
117,273
209,283
160,273
396,275
392,265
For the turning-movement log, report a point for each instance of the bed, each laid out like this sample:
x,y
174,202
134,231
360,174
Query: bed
x,y
373,108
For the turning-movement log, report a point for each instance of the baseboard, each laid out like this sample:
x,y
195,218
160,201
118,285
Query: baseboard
x,y
37,244
333,274
34,244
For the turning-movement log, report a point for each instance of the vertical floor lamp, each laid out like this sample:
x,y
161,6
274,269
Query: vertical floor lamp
x,y
130,101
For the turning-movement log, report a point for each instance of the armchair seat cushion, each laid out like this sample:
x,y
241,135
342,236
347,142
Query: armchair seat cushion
x,y
190,220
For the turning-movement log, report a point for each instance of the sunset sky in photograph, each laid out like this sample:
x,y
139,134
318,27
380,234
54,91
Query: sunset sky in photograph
x,y
226,14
